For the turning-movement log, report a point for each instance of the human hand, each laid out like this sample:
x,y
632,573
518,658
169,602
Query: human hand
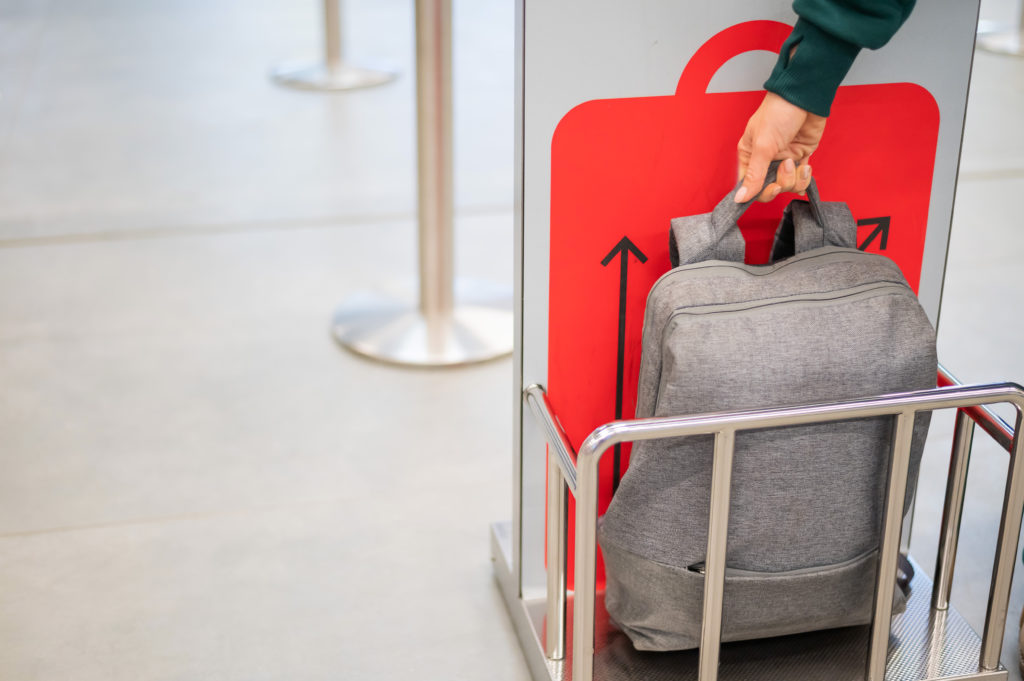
x,y
782,131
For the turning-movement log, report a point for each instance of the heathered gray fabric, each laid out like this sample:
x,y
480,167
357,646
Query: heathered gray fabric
x,y
807,225
756,605
826,324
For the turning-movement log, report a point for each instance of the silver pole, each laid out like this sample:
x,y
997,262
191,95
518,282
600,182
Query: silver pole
x,y
982,415
434,155
1006,554
1006,41
714,560
892,523
435,331
952,509
561,477
558,508
333,73
937,644
557,440
585,586
332,34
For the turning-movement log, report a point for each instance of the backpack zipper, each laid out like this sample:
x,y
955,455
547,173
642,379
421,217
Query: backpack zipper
x,y
761,270
856,292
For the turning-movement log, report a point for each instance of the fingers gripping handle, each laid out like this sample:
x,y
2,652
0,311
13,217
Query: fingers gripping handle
x,y
727,212
716,235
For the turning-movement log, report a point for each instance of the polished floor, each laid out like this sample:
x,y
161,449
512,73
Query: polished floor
x,y
195,483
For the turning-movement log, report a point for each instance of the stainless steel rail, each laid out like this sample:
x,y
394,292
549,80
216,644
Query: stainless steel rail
x,y
972,400
949,532
714,561
558,506
991,422
561,475
538,403
892,524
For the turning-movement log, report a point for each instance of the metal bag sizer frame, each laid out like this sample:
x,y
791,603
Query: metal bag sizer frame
x,y
930,641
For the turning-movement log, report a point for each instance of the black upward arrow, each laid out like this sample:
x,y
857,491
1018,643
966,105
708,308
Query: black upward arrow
x,y
881,230
622,249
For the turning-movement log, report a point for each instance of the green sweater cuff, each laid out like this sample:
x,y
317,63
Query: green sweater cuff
x,y
811,77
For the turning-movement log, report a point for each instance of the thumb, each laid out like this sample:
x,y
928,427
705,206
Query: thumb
x,y
753,179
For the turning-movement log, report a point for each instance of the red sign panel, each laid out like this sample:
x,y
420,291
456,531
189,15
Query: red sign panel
x,y
622,168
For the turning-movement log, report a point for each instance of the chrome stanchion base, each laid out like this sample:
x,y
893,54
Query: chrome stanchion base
x,y
392,329
320,76
1002,42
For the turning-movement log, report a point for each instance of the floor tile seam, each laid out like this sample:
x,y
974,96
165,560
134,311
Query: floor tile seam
x,y
178,517
225,339
283,225
983,174
965,264
187,341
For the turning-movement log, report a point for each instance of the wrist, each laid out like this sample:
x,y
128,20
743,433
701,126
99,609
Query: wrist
x,y
811,65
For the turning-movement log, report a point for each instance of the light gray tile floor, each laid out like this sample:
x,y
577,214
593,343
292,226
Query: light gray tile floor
x,y
196,483
203,365
327,589
142,115
199,484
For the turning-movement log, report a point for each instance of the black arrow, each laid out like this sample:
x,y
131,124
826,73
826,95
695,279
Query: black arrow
x,y
881,230
622,249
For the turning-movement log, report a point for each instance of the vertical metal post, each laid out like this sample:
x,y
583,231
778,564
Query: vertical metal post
x,y
434,331
952,509
1006,554
585,585
937,648
434,157
332,73
558,508
907,531
332,34
714,561
892,522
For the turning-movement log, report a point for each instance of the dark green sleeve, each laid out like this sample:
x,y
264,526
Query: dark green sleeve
x,y
828,36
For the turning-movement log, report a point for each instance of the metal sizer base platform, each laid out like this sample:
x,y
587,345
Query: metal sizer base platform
x,y
924,644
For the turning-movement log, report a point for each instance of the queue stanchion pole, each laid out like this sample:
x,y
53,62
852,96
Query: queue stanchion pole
x,y
453,321
333,72
1008,41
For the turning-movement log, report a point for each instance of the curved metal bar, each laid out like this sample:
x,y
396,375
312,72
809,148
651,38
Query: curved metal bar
x,y
561,475
619,432
991,422
905,404
538,402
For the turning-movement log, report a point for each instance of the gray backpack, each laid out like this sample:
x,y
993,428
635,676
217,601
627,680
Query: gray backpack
x,y
823,322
